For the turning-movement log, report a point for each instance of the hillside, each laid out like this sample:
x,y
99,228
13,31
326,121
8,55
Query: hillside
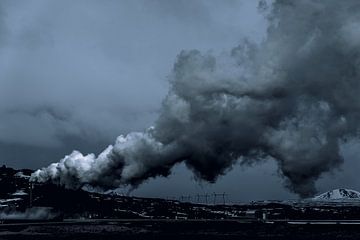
x,y
339,195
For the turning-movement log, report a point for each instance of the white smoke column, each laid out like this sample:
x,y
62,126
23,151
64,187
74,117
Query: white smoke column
x,y
293,98
132,158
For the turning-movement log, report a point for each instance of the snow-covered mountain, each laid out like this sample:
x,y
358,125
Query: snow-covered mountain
x,y
339,194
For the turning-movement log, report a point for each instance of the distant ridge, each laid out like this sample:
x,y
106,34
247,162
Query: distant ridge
x,y
339,194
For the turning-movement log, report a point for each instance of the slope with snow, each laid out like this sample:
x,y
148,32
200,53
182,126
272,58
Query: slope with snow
x,y
339,194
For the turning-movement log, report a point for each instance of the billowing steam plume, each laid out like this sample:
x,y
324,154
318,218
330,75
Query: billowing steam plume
x,y
293,98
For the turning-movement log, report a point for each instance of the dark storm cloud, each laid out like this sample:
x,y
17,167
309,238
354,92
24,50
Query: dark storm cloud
x,y
291,98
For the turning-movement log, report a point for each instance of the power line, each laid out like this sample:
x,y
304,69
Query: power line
x,y
205,198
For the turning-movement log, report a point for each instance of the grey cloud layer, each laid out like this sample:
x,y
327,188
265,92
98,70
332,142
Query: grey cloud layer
x,y
77,70
292,98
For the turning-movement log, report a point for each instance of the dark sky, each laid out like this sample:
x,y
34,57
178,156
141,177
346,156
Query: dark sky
x,y
76,74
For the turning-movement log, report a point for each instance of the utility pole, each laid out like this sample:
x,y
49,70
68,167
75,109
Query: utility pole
x,y
223,195
30,194
219,195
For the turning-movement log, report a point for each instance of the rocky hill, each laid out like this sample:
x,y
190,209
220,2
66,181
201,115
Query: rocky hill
x,y
339,195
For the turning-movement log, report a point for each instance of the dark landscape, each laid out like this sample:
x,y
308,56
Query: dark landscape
x,y
179,230
47,211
